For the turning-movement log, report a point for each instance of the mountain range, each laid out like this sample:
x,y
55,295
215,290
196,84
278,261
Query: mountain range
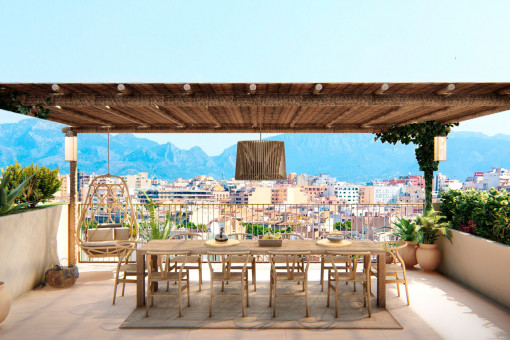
x,y
352,157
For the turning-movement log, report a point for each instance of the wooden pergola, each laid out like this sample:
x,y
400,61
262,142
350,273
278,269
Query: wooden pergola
x,y
261,107
247,108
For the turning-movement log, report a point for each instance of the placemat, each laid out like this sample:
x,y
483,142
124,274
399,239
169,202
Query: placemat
x,y
329,244
214,243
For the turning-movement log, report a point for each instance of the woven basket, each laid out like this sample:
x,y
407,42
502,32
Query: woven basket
x,y
61,276
270,243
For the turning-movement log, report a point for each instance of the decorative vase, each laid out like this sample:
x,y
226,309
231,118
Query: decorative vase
x,y
408,254
5,302
428,256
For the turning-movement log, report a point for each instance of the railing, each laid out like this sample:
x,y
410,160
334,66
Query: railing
x,y
312,221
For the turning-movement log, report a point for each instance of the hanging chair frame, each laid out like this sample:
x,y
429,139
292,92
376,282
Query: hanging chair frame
x,y
106,205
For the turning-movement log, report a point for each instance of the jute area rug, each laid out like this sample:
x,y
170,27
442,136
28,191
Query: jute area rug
x,y
290,311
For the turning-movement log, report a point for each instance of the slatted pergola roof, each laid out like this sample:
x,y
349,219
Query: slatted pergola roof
x,y
260,107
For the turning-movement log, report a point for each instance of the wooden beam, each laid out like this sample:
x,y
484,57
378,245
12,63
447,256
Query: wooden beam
x,y
394,112
341,115
478,114
299,113
254,116
382,89
504,92
80,114
430,116
211,117
111,111
268,100
166,115
229,129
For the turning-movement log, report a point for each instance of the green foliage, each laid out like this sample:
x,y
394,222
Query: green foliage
x,y
343,226
190,225
430,227
41,188
421,134
15,106
150,228
259,230
406,230
8,197
485,214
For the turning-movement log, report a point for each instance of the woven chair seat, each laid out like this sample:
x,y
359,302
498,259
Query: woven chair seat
x,y
284,277
390,268
170,276
360,277
128,268
234,277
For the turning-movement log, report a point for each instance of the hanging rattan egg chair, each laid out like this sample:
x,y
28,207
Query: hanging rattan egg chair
x,y
107,217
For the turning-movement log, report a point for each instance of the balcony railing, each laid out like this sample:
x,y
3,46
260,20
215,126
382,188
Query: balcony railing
x,y
312,221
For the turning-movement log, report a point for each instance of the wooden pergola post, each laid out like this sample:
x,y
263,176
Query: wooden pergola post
x,y
73,181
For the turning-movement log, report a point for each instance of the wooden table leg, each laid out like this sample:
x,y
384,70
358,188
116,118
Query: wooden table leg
x,y
154,270
140,279
381,280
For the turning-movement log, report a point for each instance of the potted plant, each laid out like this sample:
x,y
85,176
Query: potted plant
x,y
271,240
430,229
406,230
150,227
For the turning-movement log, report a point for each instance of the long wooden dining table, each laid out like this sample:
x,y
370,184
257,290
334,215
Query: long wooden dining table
x,y
198,247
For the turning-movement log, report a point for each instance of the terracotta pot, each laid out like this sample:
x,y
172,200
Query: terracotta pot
x,y
428,256
5,302
408,254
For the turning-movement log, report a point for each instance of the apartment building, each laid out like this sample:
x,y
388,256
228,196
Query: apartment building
x,y
495,178
138,181
344,192
441,183
251,195
411,194
176,195
379,194
313,192
287,194
475,182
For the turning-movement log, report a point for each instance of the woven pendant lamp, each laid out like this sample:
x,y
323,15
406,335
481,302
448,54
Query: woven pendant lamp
x,y
259,160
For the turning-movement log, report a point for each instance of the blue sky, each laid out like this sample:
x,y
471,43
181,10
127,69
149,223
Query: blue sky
x,y
256,41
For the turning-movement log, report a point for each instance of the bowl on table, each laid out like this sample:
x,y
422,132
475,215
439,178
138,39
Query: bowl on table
x,y
335,238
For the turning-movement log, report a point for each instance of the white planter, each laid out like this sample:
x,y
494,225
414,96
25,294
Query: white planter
x,y
479,263
30,243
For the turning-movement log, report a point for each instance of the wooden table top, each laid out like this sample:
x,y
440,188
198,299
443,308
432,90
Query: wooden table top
x,y
198,247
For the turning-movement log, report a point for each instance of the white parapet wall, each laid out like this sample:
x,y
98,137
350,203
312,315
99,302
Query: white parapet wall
x,y
480,264
30,243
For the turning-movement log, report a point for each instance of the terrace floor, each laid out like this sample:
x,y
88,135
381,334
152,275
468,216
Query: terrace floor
x,y
440,308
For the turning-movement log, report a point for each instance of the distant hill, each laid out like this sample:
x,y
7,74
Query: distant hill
x,y
350,157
